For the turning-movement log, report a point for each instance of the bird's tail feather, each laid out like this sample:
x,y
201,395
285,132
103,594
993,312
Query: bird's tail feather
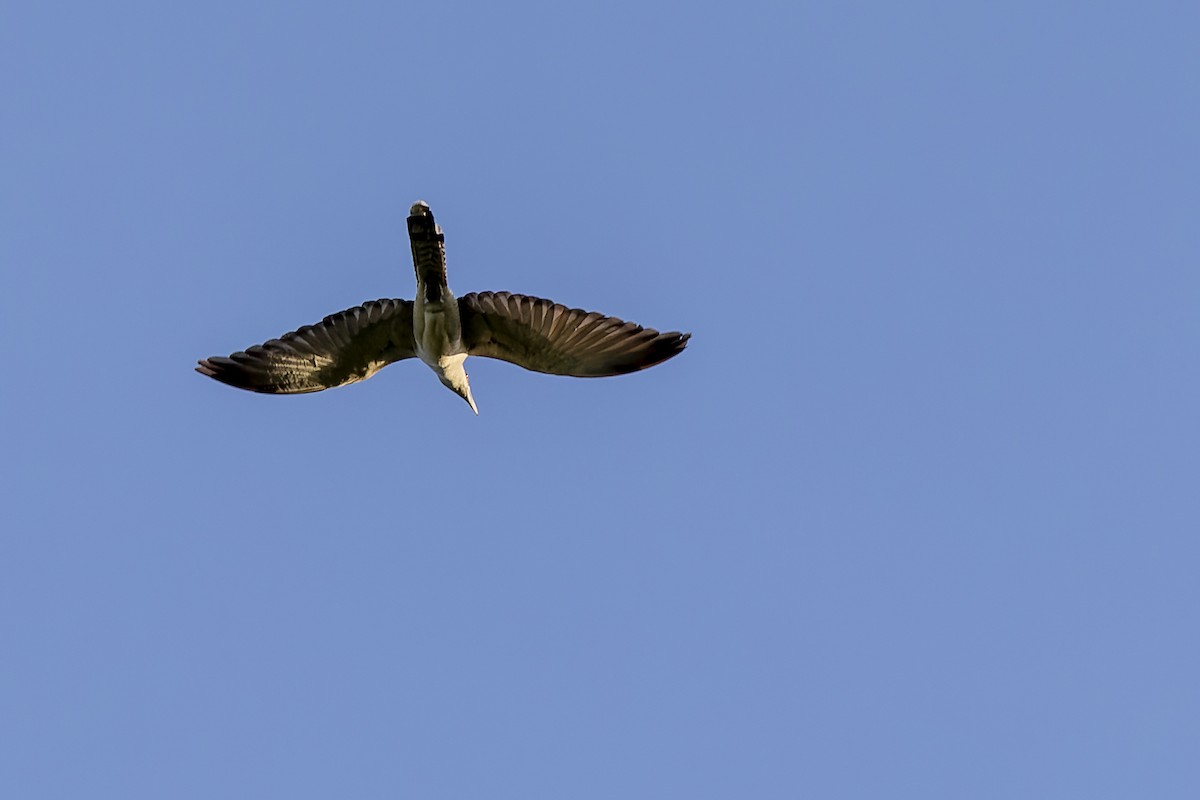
x,y
428,249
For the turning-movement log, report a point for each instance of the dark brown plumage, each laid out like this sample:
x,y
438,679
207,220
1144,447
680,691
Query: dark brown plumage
x,y
442,331
544,336
343,348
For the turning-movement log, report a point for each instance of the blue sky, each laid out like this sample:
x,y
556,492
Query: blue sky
x,y
915,515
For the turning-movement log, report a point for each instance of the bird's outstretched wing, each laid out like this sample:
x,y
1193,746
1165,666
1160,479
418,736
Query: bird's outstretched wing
x,y
543,336
346,347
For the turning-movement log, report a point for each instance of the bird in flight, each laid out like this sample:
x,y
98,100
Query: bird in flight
x,y
352,345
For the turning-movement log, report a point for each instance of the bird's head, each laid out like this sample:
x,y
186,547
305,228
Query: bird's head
x,y
453,376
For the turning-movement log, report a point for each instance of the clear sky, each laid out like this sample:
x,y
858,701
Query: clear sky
x,y
915,515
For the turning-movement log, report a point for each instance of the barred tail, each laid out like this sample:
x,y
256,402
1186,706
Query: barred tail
x,y
428,249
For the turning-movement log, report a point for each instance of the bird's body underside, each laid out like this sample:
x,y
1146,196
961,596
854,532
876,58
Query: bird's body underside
x,y
443,331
